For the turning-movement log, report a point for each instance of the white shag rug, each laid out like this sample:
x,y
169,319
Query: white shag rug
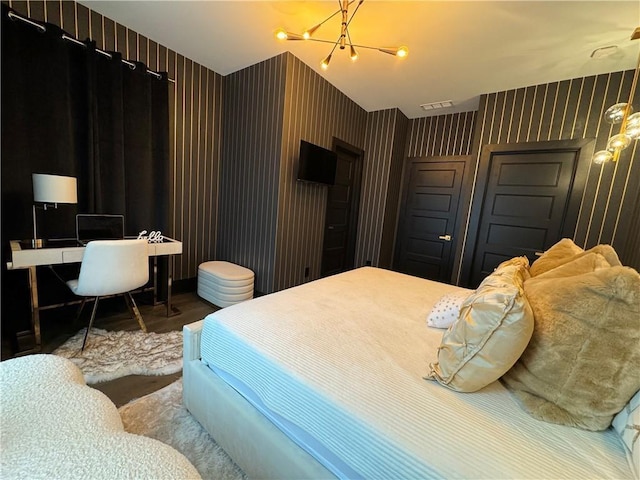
x,y
161,415
114,354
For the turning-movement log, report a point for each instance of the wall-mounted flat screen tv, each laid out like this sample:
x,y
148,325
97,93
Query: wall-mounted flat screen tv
x,y
316,164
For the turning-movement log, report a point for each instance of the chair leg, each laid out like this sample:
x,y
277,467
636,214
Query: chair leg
x,y
134,309
93,316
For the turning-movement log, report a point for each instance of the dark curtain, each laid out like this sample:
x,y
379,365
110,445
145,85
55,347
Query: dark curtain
x,y
42,102
69,110
127,170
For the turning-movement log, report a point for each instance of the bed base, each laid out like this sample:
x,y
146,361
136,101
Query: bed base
x,y
255,444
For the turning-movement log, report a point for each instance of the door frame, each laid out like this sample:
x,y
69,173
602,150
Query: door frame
x,y
354,208
456,247
585,149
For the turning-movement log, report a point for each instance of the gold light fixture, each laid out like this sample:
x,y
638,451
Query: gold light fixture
x,y
344,39
622,113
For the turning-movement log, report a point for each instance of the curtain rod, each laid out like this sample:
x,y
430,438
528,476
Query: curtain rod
x,y
42,28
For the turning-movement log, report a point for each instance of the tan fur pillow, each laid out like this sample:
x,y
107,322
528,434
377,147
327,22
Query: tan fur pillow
x,y
557,257
583,263
581,366
492,331
558,254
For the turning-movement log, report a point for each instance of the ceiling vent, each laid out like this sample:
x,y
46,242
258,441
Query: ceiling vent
x,y
436,105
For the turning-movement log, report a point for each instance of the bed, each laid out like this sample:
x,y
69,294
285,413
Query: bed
x,y
326,380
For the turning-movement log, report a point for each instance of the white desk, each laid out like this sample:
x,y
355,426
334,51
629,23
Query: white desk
x,y
30,258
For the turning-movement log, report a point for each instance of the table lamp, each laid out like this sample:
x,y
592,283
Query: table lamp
x,y
50,190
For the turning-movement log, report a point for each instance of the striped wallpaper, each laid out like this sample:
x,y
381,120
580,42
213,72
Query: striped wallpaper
x,y
269,222
441,135
250,173
382,179
315,111
556,111
392,206
574,109
195,122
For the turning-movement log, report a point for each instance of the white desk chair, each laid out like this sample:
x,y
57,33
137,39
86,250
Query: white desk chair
x,y
111,267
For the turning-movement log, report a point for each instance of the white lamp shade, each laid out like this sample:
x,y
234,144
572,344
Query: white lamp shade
x,y
54,188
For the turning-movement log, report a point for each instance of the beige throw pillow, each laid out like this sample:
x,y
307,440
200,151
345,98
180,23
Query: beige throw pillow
x,y
581,366
558,254
518,261
493,329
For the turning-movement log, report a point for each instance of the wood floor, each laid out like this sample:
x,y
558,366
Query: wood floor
x,y
113,315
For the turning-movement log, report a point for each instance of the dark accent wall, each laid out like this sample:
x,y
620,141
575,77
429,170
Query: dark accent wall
x,y
574,109
269,222
195,109
316,111
563,110
441,135
385,137
250,175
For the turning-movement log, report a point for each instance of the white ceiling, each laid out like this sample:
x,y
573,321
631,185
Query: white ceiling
x,y
458,49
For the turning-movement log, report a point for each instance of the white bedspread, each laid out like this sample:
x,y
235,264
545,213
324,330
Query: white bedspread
x,y
339,363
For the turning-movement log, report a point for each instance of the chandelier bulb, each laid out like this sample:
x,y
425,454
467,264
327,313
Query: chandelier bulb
x,y
633,126
325,62
603,156
307,34
281,34
618,142
615,113
353,54
402,52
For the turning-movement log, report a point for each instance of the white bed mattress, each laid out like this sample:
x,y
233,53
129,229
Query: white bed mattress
x,y
338,365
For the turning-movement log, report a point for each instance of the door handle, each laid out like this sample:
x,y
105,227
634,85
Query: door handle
x,y
446,238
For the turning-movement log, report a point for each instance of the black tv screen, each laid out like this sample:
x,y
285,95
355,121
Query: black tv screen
x,y
316,164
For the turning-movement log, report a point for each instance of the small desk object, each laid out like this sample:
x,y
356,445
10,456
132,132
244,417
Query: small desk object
x,y
57,252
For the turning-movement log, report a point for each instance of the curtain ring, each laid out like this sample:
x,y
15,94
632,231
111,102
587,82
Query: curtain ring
x,y
15,17
131,65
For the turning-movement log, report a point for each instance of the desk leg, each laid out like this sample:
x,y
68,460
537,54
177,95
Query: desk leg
x,y
155,281
35,308
171,310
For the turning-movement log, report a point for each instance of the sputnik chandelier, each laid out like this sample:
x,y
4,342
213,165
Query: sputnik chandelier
x,y
344,39
622,113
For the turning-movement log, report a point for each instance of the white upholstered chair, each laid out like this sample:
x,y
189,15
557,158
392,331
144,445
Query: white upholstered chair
x,y
111,267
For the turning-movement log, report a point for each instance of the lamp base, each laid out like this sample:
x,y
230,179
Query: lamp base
x,y
36,243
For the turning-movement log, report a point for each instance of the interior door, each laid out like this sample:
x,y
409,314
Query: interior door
x,y
341,216
427,226
529,202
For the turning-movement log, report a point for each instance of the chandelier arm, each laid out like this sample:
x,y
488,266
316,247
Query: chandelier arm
x,y
335,44
332,15
355,11
349,37
365,46
338,41
322,41
314,28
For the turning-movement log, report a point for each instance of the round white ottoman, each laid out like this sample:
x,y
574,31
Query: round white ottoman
x,y
224,283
